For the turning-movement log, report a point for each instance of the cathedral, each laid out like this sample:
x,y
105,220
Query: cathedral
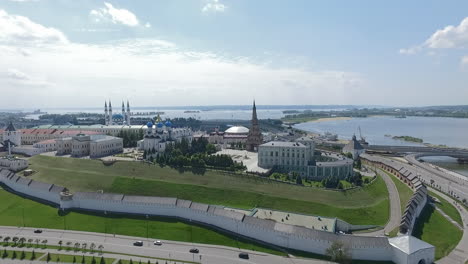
x,y
117,119
160,134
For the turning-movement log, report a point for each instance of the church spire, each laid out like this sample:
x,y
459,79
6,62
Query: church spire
x,y
255,137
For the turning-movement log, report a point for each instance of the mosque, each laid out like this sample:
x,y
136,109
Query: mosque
x,y
117,119
160,134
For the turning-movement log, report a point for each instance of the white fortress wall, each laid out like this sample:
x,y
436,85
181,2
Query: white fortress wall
x,y
267,231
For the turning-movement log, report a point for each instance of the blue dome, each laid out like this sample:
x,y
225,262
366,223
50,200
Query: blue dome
x,y
149,124
160,124
117,116
168,123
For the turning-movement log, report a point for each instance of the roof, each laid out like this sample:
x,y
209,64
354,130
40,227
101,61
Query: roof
x,y
304,139
353,144
237,130
99,196
150,199
284,144
10,127
409,244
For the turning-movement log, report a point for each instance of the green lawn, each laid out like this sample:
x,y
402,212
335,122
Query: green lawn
x,y
448,208
368,205
91,175
433,228
44,216
9,254
377,214
404,191
55,258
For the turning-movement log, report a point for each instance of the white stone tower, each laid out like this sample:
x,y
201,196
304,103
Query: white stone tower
x,y
110,114
128,114
106,114
12,135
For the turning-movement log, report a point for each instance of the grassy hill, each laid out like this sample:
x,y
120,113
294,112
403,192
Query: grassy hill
x,y
368,205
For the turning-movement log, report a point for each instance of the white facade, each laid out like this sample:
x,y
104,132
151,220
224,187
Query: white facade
x,y
13,164
297,157
94,146
279,234
12,135
158,136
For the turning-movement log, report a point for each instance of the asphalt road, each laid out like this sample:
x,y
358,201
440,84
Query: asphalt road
x,y
395,208
209,254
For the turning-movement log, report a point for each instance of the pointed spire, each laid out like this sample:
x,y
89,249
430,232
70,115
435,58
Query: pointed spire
x,y
254,112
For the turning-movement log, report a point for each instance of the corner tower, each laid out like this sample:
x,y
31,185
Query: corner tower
x,y
254,138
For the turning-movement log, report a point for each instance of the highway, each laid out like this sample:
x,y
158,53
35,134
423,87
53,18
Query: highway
x,y
447,183
209,254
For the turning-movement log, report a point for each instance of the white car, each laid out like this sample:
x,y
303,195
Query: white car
x,y
157,243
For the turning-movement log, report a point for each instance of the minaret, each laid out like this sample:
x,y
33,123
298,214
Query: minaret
x,y
110,114
128,113
255,138
106,113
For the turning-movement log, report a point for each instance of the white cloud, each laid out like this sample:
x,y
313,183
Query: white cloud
x,y
450,37
214,6
147,25
155,72
115,15
19,29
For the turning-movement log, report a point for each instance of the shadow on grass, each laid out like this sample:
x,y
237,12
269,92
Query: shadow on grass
x,y
423,218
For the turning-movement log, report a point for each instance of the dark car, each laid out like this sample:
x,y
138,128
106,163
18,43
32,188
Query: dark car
x,y
244,255
138,243
37,231
194,250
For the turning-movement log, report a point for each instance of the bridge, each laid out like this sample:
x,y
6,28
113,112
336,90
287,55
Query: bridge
x,y
460,154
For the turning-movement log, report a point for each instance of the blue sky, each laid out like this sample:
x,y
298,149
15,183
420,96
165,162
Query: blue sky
x,y
205,52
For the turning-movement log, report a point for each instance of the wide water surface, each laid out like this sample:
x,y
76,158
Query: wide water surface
x,y
452,132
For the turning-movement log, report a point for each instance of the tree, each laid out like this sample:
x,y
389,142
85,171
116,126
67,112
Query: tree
x,y
101,247
33,255
15,240
299,180
68,245
60,244
83,246
4,254
48,257
14,255
74,260
93,260
44,243
338,252
23,255
6,240
21,241
210,149
82,260
37,240
76,246
30,242
92,247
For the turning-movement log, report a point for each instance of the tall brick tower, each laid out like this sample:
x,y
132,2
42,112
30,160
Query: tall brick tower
x,y
255,138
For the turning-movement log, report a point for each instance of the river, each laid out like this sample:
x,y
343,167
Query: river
x,y
452,132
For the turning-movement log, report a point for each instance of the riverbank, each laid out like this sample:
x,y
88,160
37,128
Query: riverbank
x,y
298,120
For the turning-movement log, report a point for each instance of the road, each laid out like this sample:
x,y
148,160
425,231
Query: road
x,y
446,182
460,254
209,254
395,208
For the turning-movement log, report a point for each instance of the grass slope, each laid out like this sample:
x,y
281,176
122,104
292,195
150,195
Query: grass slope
x,y
448,208
377,214
404,191
43,216
433,228
91,175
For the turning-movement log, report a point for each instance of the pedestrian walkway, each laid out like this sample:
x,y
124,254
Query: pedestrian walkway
x,y
460,254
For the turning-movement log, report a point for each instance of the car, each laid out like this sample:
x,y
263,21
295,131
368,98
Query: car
x,y
194,250
244,255
38,231
138,243
157,243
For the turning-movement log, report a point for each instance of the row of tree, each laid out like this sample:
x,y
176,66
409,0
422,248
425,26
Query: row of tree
x,y
130,137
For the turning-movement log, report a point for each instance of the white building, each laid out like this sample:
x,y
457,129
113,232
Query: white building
x,y
12,163
117,119
296,157
158,136
94,146
354,147
12,135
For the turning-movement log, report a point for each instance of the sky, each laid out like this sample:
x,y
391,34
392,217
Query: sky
x,y
68,53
